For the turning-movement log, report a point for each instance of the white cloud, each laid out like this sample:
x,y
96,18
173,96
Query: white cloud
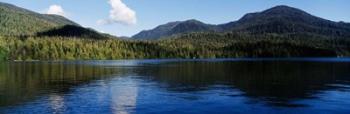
x,y
120,13
101,31
56,9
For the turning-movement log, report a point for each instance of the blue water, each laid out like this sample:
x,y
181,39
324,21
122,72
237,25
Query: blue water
x,y
264,86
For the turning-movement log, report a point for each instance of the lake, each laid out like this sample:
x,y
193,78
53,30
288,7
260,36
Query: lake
x,y
264,86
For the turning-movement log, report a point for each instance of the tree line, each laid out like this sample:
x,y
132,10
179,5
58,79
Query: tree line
x,y
192,45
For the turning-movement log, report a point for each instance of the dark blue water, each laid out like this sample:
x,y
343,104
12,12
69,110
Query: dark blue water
x,y
264,86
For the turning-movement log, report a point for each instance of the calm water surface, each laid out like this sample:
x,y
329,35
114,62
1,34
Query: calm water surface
x,y
319,85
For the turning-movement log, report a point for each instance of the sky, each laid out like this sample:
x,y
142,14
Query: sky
x,y
128,17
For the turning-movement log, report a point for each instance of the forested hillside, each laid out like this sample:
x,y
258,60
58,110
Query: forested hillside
x,y
281,31
17,21
174,28
280,20
195,45
288,20
72,31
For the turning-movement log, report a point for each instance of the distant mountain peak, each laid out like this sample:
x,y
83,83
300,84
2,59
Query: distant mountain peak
x,y
282,7
175,23
277,11
173,28
193,21
281,19
283,10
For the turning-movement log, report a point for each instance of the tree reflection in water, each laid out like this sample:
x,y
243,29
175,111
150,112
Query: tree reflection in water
x,y
129,86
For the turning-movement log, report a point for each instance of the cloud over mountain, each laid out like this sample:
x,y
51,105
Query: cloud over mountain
x,y
120,13
56,9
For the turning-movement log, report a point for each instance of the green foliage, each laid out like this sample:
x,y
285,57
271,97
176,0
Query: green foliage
x,y
15,21
194,45
277,32
3,50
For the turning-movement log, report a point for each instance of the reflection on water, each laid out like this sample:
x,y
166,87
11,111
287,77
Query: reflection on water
x,y
56,103
25,81
124,98
176,86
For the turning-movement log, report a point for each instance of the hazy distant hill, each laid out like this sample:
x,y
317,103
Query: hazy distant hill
x,y
284,19
279,20
175,28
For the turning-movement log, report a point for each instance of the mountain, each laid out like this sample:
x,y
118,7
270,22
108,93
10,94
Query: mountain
x,y
16,21
287,20
173,28
72,31
279,20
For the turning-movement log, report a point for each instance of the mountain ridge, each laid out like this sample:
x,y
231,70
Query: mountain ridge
x,y
176,27
26,35
52,17
280,19
16,21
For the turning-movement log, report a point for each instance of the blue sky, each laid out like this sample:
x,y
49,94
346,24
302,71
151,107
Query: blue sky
x,y
150,13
